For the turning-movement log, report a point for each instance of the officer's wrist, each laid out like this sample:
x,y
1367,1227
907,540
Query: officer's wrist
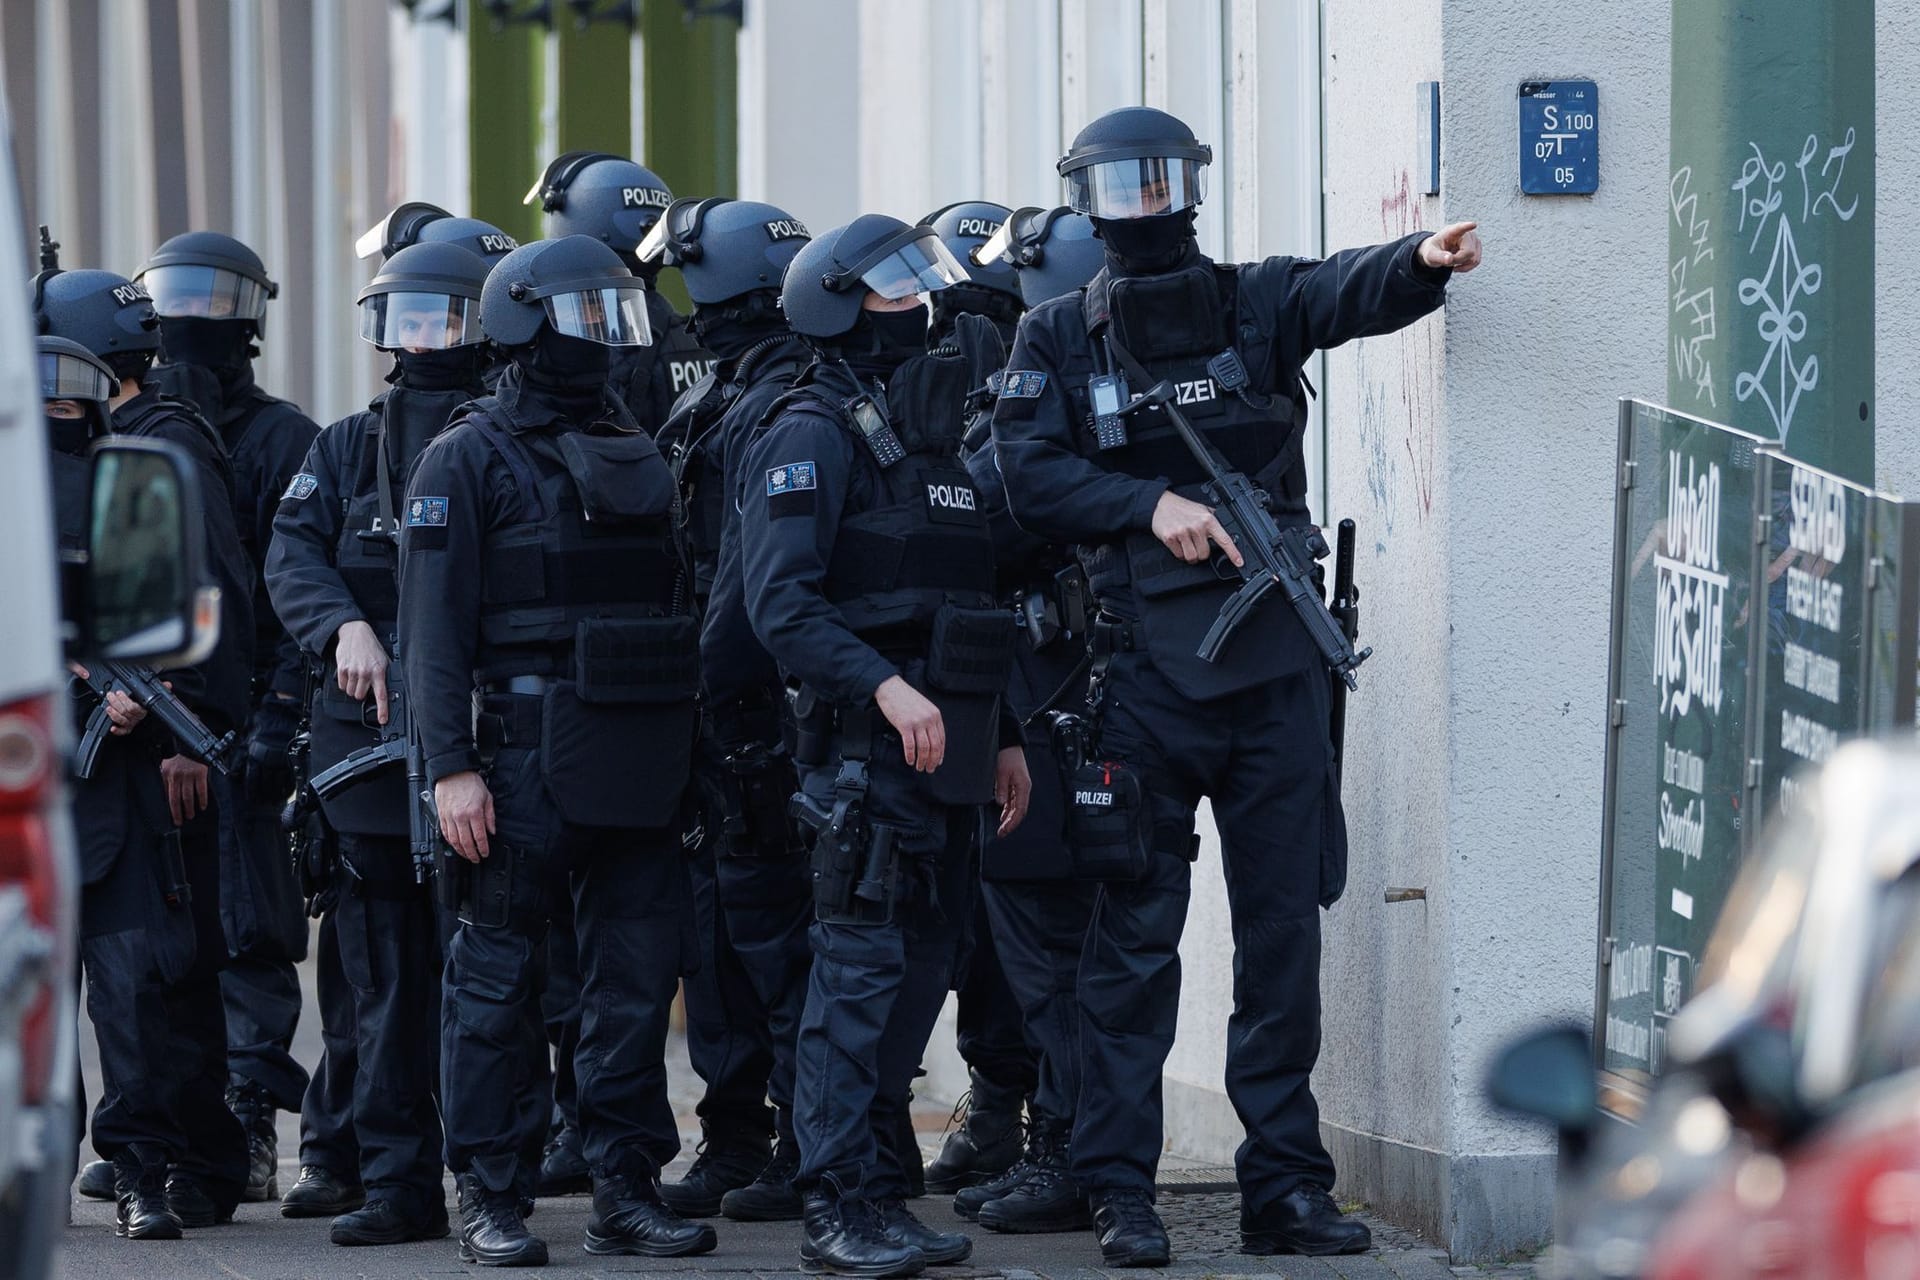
x,y
1424,273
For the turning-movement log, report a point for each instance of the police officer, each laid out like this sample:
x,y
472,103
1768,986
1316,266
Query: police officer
x,y
537,566
990,1037
329,1183
869,577
197,1169
1242,731
616,201
1035,912
211,293
332,574
749,873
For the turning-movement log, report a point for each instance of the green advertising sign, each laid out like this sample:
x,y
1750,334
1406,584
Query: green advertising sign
x,y
1770,226
1676,758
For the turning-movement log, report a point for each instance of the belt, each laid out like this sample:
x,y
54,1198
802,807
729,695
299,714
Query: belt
x,y
522,686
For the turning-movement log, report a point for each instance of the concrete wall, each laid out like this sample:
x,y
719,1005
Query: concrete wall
x,y
1896,372
1477,452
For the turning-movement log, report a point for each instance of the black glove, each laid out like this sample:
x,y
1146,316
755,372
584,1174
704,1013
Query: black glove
x,y
269,768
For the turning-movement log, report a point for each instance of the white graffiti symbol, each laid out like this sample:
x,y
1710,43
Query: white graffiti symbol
x,y
1693,337
1779,293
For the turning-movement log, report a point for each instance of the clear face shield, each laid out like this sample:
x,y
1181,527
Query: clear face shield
x,y
922,264
610,316
1140,187
207,293
408,321
68,377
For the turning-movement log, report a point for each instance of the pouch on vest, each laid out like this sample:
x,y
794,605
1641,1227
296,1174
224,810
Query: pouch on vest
x,y
637,661
615,765
377,804
1178,603
1166,317
971,650
1109,829
972,723
620,478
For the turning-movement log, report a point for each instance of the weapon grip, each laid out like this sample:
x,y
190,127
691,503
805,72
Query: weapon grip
x,y
1233,612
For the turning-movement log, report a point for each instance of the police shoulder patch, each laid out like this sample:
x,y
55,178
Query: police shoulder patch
x,y
426,513
1022,384
790,478
301,486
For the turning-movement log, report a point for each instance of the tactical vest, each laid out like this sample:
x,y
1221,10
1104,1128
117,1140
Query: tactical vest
x,y
580,589
1188,328
912,572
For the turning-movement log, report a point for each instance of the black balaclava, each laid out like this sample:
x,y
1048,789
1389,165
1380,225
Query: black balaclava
x,y
971,299
223,348
568,373
729,328
75,436
882,341
427,387
456,368
1147,246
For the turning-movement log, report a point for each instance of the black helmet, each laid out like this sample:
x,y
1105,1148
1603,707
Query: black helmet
x,y
417,221
205,275
1051,251
724,247
598,194
828,279
68,371
575,284
108,314
965,227
426,297
1135,162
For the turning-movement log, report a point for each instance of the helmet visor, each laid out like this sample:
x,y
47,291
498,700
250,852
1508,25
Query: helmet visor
x,y
68,377
615,317
406,321
923,265
211,293
1142,187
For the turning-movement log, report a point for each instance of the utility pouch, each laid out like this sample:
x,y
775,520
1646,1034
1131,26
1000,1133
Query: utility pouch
x,y
629,661
450,878
615,766
971,650
1166,317
486,901
621,478
1109,828
856,872
755,788
1177,604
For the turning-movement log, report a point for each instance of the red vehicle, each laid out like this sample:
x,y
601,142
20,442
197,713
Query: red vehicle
x,y
1784,1139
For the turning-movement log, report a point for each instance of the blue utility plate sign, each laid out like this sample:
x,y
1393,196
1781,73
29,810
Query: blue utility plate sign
x,y
1559,137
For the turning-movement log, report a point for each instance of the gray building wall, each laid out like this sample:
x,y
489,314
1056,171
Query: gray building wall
x,y
1477,451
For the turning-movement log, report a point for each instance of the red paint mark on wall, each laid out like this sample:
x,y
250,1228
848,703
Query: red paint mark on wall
x,y
1400,210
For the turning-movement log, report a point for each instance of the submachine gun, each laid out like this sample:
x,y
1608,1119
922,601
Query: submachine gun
x,y
144,687
399,744
1273,557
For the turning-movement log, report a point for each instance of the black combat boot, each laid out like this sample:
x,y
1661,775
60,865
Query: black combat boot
x,y
1043,1132
771,1197
1047,1199
844,1238
563,1169
96,1180
191,1203
492,1232
1305,1220
899,1225
725,1161
319,1192
254,1110
630,1217
1131,1233
385,1221
987,1142
141,1211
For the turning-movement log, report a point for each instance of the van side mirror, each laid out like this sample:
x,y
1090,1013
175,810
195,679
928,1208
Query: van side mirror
x,y
144,595
1549,1075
